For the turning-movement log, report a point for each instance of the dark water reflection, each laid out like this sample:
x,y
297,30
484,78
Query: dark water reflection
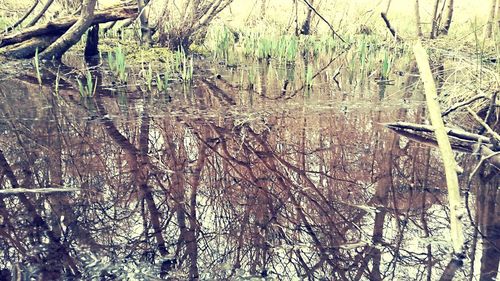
x,y
218,184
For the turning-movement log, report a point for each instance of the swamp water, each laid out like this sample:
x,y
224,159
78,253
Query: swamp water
x,y
214,182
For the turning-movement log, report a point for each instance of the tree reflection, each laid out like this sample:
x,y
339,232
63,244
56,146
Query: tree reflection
x,y
213,190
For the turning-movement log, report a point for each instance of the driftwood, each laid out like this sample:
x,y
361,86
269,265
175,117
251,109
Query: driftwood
x,y
22,44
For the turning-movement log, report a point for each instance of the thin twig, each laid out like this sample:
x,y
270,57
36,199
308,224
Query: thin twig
x,y
463,103
486,126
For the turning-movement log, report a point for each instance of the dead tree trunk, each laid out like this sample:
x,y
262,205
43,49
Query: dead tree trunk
x,y
73,35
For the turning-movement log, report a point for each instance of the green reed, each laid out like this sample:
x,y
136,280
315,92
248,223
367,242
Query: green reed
x,y
117,63
89,88
149,77
309,77
386,66
184,64
223,40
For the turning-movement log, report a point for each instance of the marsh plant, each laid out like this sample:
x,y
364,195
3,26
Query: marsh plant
x,y
386,66
222,41
252,77
183,64
89,88
117,63
162,84
148,76
309,77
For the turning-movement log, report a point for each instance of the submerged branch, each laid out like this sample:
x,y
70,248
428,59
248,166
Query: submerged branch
x,y
37,190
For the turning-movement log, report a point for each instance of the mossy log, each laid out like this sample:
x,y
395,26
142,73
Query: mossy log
x,y
23,44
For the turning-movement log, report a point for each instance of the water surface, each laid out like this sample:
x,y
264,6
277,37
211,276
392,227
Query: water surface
x,y
217,182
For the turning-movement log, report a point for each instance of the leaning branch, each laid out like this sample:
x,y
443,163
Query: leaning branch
x,y
323,19
462,104
450,166
486,126
17,23
456,133
41,13
389,26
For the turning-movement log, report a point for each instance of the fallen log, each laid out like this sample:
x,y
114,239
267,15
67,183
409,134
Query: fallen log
x,y
27,49
460,140
21,42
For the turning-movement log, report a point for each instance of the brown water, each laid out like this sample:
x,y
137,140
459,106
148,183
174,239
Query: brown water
x,y
216,183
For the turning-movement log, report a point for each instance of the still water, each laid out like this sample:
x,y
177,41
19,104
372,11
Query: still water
x,y
217,182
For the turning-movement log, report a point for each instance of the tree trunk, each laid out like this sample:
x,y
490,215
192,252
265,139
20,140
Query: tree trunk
x,y
449,16
498,14
71,37
263,9
435,23
144,18
306,26
417,19
491,19
91,46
